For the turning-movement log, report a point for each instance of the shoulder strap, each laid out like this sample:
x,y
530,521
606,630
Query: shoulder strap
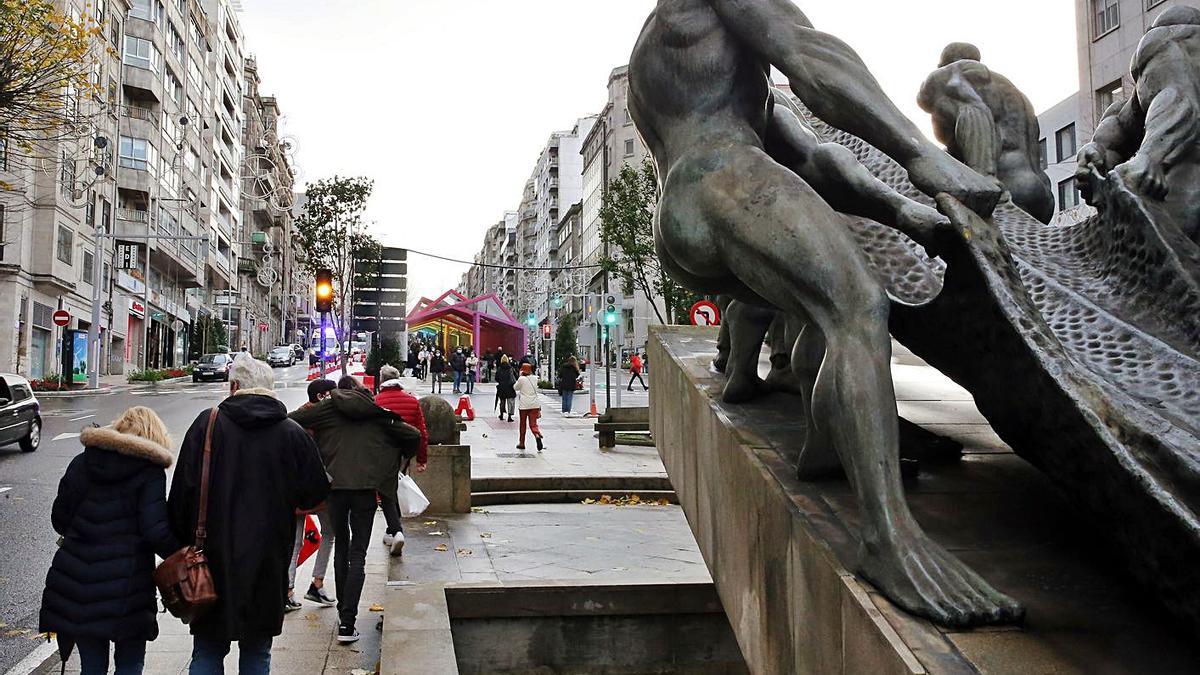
x,y
202,511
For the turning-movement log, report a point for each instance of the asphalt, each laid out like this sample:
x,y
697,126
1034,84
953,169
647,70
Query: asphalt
x,y
29,483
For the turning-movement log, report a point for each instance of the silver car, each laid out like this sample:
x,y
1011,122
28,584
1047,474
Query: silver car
x,y
20,413
283,355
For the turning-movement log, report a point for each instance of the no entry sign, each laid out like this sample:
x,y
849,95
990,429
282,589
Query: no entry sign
x,y
705,313
61,318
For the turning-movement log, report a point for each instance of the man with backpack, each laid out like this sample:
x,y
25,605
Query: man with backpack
x,y
363,446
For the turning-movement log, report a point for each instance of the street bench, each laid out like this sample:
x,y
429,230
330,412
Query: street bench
x,y
621,419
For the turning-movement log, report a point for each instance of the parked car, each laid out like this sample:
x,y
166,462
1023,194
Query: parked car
x,y
297,350
20,413
212,367
281,356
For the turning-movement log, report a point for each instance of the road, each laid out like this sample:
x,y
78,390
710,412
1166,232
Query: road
x,y
29,482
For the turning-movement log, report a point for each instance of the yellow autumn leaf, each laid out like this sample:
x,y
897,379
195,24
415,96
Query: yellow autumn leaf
x,y
376,607
440,547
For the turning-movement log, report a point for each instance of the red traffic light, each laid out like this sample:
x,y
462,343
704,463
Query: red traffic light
x,y
546,331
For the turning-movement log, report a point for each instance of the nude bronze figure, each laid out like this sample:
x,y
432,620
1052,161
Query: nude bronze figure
x,y
764,227
988,124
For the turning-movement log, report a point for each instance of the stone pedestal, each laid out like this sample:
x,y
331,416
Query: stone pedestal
x,y
778,549
447,481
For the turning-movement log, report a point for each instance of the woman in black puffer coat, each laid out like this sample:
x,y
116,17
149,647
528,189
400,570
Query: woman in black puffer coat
x,y
506,393
112,513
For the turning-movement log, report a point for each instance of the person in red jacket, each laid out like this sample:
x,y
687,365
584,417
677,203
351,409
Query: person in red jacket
x,y
393,397
635,371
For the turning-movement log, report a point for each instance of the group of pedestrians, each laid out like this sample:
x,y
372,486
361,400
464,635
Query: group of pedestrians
x,y
267,469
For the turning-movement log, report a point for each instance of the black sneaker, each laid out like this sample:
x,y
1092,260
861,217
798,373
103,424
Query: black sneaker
x,y
318,596
290,605
347,634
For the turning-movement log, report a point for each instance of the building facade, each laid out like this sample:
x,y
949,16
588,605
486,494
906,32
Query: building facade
x,y
160,168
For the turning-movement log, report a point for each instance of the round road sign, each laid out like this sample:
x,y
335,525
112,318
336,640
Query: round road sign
x,y
61,318
705,313
176,325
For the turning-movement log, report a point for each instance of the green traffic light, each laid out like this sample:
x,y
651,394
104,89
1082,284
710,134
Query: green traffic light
x,y
610,317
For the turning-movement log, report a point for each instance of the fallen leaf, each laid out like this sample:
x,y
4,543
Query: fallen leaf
x,y
3,625
15,633
479,509
465,552
375,607
310,617
589,500
360,671
429,523
440,547
485,535
437,533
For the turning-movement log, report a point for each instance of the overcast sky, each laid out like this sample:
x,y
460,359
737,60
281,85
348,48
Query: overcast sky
x,y
447,103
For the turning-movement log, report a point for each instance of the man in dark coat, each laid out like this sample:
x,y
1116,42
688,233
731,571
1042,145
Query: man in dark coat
x,y
112,514
437,365
263,467
363,446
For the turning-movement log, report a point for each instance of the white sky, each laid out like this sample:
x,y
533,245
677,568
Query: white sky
x,y
447,103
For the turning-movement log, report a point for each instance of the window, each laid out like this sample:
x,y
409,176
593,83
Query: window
x,y
89,267
141,53
106,215
135,153
1043,160
1108,95
3,149
629,148
89,215
112,95
115,33
66,176
66,241
195,78
1154,3
196,33
1107,14
175,40
148,10
173,88
1064,140
1,232
1068,194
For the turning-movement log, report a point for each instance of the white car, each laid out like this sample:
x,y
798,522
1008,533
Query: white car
x,y
282,356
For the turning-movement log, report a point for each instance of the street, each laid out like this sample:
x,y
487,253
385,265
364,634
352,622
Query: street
x,y
28,483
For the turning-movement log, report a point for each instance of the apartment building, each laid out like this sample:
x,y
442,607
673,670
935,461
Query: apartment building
x,y
161,167
1058,145
266,257
612,145
57,198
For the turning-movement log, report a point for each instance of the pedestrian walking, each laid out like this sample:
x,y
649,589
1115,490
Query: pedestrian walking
x,y
363,446
488,364
263,467
635,371
472,371
437,365
111,511
529,406
318,390
458,364
506,393
393,397
411,361
423,358
568,378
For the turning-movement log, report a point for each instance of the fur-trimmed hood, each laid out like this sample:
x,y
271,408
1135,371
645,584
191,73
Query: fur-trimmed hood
x,y
129,445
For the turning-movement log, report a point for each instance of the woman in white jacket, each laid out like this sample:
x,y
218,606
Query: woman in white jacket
x,y
528,405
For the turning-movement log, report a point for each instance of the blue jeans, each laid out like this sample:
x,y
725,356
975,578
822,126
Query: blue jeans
x,y
457,380
129,658
208,656
568,396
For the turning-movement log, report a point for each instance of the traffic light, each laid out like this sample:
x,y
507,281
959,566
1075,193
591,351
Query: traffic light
x,y
546,331
557,302
324,290
611,314
531,318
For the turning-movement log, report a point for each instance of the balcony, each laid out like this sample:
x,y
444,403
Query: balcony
x,y
146,82
131,222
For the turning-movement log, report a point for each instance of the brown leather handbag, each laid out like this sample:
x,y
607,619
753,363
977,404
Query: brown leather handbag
x,y
184,580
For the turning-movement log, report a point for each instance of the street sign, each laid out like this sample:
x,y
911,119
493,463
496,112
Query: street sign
x,y
61,318
705,313
127,256
177,325
264,327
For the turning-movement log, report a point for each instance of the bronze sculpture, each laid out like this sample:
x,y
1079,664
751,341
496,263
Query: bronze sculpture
x,y
761,225
988,124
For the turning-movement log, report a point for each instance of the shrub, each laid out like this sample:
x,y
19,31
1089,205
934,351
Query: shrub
x,y
52,383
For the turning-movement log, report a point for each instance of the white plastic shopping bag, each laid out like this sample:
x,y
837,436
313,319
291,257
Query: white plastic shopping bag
x,y
413,502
